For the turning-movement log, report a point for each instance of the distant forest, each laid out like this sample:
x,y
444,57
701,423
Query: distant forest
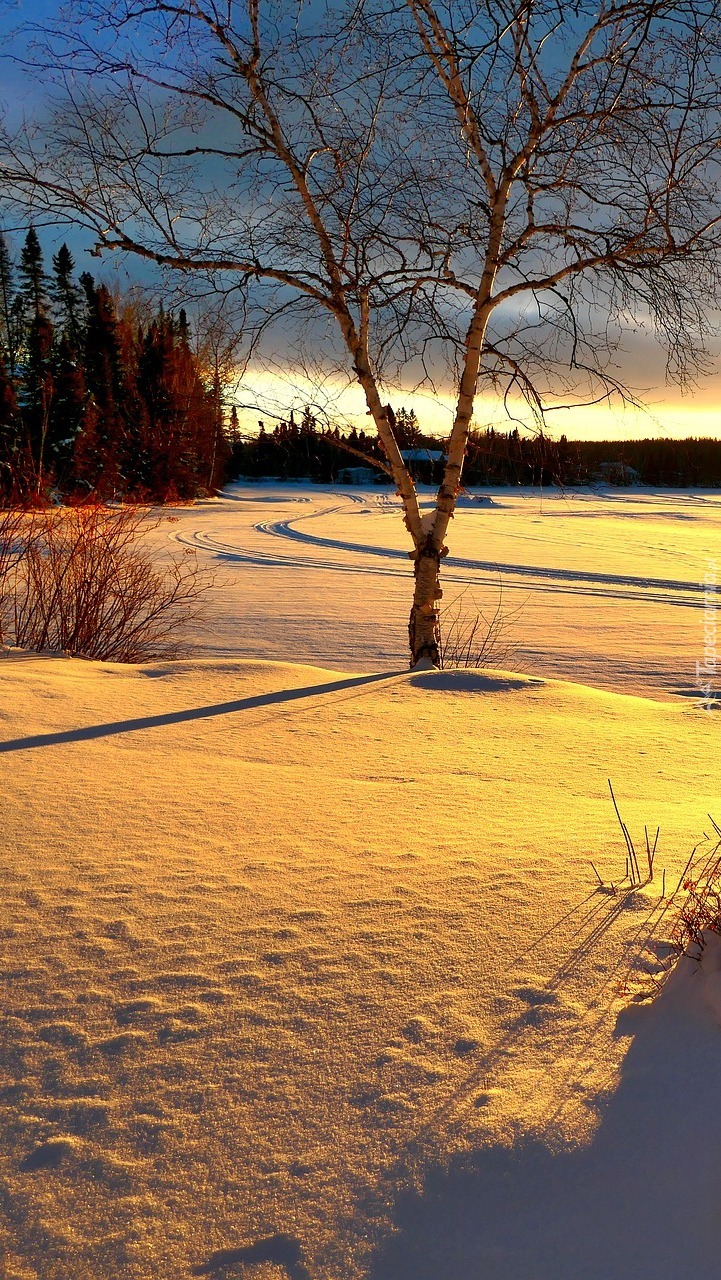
x,y
296,449
98,398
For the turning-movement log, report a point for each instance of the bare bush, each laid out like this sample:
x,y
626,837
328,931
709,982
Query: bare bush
x,y
16,532
82,581
700,911
468,637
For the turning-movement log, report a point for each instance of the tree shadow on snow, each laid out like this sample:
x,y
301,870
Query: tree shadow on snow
x,y
642,1200
190,713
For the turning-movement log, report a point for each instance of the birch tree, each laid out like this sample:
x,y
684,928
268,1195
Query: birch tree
x,y
492,192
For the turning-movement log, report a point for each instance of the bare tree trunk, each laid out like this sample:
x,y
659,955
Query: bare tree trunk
x,y
357,343
423,633
45,404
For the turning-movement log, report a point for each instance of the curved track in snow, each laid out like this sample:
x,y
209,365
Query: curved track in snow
x,y
312,551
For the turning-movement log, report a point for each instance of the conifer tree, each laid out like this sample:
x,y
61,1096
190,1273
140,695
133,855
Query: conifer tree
x,y
33,279
36,343
185,420
9,441
93,403
155,386
8,313
137,442
408,432
37,394
183,329
103,464
10,433
70,391
67,297
69,408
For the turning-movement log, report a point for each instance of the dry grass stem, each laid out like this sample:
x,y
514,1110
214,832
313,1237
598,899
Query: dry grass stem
x,y
633,874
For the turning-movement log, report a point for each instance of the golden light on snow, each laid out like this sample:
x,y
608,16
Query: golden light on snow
x,y
275,930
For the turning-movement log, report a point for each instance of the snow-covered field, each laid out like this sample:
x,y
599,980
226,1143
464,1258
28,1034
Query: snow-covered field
x,y
600,589
305,969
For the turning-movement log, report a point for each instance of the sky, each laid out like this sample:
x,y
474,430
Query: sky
x,y
264,394
665,411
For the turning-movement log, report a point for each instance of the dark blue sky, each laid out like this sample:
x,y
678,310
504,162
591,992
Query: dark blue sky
x,y
23,94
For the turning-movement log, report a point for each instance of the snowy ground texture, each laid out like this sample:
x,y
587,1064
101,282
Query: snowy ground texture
x,y
306,975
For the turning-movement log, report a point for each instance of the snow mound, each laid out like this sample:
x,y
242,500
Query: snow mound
x,y
468,501
472,680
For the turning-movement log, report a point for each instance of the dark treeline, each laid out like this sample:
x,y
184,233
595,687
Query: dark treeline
x,y
303,449
691,463
96,399
511,458
295,450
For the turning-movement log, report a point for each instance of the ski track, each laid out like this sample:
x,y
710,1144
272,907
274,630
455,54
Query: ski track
x,y
675,592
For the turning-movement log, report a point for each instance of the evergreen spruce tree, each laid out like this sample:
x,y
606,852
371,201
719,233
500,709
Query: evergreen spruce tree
x,y
70,391
408,432
155,386
185,417
33,278
8,312
183,329
36,345
11,451
102,446
69,408
138,443
67,298
9,439
94,404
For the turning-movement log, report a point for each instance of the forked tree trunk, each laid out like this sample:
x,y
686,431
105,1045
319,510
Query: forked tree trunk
x,y
428,532
423,625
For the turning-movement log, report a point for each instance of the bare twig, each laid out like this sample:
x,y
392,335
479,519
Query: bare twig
x,y
470,638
